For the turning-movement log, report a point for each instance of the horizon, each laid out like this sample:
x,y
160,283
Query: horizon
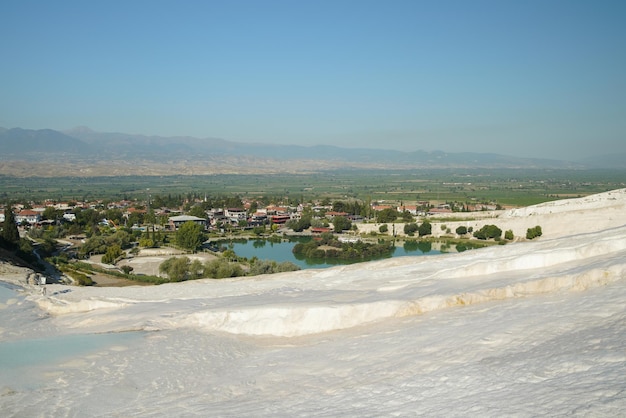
x,y
528,80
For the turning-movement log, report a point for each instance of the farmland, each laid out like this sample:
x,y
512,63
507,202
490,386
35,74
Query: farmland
x,y
507,187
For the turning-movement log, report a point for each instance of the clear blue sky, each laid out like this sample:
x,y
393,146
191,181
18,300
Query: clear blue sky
x,y
527,78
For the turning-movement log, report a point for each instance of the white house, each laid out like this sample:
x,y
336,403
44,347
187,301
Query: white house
x,y
29,216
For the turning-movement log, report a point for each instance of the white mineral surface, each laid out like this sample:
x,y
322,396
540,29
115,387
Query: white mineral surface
x,y
525,329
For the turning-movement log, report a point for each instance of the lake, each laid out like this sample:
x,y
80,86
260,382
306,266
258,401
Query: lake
x,y
282,251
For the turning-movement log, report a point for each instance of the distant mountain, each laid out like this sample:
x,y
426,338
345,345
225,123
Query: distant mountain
x,y
23,142
606,161
126,150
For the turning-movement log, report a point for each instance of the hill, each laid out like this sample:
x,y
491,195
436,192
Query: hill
x,y
49,153
527,329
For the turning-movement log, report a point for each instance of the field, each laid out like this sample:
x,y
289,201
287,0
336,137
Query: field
x,y
507,187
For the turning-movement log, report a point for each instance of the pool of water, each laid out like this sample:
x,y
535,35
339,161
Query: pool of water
x,y
282,251
6,293
29,343
51,350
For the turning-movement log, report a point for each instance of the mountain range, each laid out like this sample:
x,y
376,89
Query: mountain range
x,y
84,146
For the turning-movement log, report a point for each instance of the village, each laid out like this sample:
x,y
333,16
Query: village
x,y
137,215
136,238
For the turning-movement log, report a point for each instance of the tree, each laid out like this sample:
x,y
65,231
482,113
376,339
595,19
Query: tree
x,y
461,230
51,213
221,268
425,229
341,223
113,252
488,231
299,225
189,236
196,269
508,235
10,232
410,229
532,233
176,268
127,269
387,215
197,211
383,228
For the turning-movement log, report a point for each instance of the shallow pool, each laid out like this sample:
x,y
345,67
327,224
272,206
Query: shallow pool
x,y
29,344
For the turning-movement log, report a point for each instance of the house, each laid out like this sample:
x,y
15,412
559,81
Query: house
x,y
439,211
411,209
280,219
258,218
236,214
30,216
176,221
378,208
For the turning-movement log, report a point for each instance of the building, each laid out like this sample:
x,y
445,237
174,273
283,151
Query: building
x,y
30,216
176,221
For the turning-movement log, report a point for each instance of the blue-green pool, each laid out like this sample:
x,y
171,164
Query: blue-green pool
x,y
282,251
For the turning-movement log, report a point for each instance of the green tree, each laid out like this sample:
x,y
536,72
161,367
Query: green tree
x,y
487,232
189,236
532,233
127,269
146,242
221,268
10,232
150,217
176,268
425,229
299,225
112,254
383,228
341,223
51,213
461,230
387,215
410,229
508,235
197,211
196,269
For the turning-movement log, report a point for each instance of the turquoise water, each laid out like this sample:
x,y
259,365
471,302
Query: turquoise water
x,y
6,293
282,251
28,346
52,350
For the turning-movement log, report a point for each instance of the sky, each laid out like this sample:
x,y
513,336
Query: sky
x,y
530,79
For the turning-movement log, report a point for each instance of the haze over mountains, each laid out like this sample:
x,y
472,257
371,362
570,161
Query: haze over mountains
x,y
84,146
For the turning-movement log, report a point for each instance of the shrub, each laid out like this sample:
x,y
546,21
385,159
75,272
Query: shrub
x,y
461,230
112,254
488,231
383,228
176,268
508,235
532,233
410,229
425,229
269,267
